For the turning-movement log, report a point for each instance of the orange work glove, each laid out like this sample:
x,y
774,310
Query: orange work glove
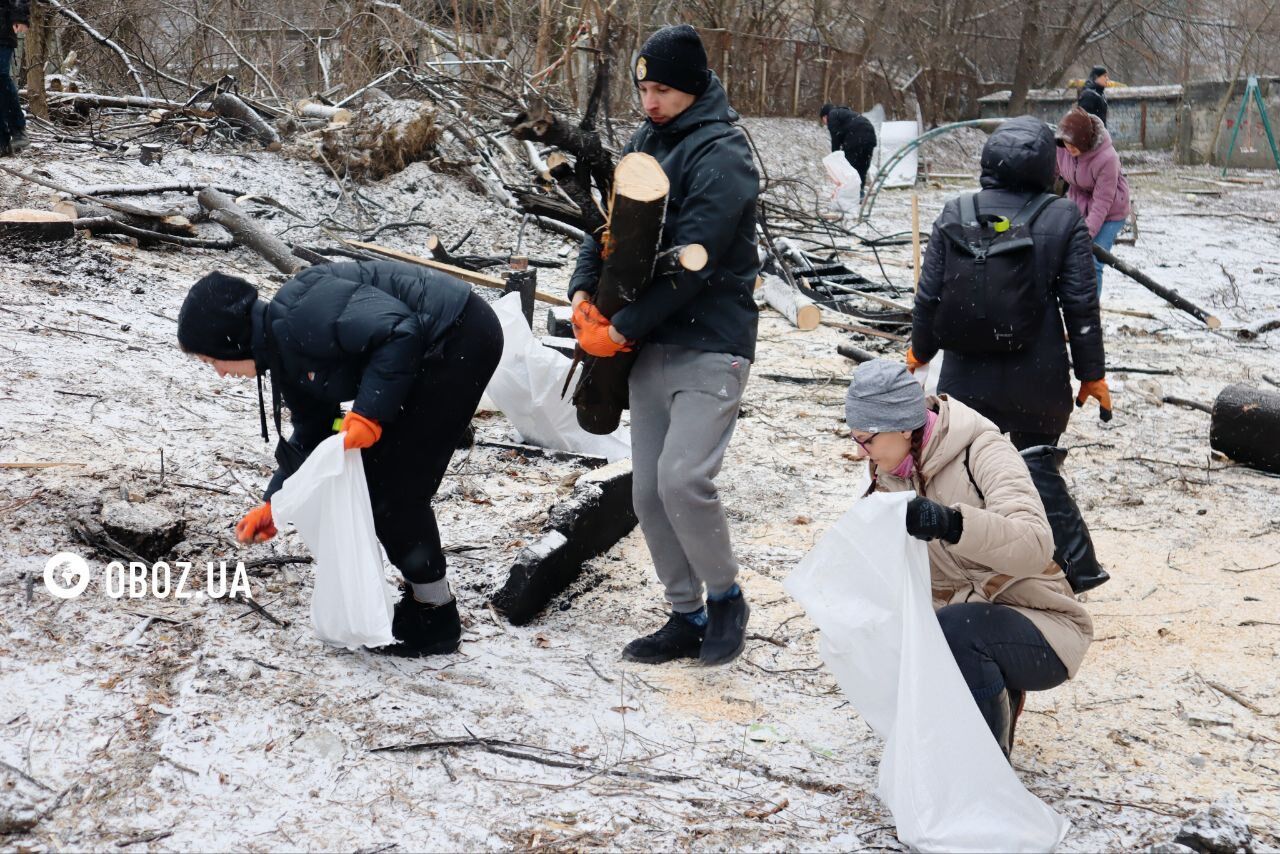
x,y
361,432
591,328
912,362
1098,390
257,525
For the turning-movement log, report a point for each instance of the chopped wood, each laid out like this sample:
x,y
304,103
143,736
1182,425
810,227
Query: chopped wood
x,y
468,276
241,114
799,310
122,207
539,124
691,257
22,223
1169,295
161,222
225,212
111,225
315,110
1244,425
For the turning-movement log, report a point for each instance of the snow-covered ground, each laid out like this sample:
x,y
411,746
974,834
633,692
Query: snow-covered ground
x,y
216,729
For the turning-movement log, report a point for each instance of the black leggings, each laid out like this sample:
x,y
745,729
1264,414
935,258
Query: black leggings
x,y
405,467
997,647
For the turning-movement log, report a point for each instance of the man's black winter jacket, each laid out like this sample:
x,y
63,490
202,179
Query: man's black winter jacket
x,y
358,331
850,131
1029,390
714,185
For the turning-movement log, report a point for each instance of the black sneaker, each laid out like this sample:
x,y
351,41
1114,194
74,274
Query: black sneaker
x,y
726,630
423,629
679,638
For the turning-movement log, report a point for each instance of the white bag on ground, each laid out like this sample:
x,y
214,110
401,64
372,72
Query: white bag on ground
x,y
526,387
845,197
328,499
866,586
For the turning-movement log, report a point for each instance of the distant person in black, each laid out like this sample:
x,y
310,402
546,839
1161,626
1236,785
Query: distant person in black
x,y
853,134
1093,97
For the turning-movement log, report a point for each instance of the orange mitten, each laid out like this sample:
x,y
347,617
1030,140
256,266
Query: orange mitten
x,y
1098,390
257,525
912,362
361,432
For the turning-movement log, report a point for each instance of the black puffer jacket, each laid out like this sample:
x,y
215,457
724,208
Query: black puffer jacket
x,y
12,12
714,185
1093,99
850,131
339,332
1029,390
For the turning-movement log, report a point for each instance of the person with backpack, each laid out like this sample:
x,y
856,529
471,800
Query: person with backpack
x,y
14,19
1005,269
1004,605
696,334
1093,95
853,134
413,348
1090,166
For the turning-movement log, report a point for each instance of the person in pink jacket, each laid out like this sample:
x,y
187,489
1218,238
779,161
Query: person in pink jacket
x,y
1088,162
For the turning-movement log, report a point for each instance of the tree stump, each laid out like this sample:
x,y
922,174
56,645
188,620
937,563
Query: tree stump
x,y
24,224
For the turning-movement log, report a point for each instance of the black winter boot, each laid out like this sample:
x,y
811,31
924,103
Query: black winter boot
x,y
998,713
1017,699
726,630
423,629
679,638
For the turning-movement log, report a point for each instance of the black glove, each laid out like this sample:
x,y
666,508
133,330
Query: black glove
x,y
929,520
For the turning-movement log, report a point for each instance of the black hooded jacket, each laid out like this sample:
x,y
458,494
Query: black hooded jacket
x,y
714,185
339,332
1093,99
1028,390
850,131
12,12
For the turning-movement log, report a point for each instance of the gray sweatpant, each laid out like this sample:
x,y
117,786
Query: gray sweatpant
x,y
684,406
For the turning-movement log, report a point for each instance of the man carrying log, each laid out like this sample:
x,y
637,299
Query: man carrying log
x,y
14,19
853,134
413,348
698,334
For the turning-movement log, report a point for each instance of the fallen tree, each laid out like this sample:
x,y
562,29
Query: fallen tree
x,y
1169,295
225,212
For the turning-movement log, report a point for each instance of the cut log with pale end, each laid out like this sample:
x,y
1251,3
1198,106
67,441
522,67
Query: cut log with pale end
x,y
1169,295
1244,425
800,311
691,257
595,516
162,223
315,110
241,114
225,212
21,223
629,250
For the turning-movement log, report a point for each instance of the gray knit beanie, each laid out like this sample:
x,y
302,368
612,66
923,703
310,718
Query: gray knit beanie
x,y
884,398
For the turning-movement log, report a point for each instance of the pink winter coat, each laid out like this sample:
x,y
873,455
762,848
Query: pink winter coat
x,y
1097,185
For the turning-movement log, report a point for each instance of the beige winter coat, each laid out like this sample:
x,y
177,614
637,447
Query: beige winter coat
x,y
1005,553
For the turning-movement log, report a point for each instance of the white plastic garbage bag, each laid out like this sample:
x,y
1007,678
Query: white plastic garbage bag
x,y
526,387
845,196
894,136
328,499
866,586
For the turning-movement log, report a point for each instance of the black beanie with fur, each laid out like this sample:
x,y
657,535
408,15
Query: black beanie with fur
x,y
675,57
215,319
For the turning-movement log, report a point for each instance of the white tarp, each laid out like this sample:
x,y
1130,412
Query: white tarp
x,y
526,387
893,136
866,586
328,499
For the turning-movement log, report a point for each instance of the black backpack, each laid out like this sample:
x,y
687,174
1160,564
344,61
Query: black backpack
x,y
991,301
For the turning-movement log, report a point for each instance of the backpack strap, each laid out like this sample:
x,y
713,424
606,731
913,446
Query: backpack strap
x,y
969,208
1033,209
981,496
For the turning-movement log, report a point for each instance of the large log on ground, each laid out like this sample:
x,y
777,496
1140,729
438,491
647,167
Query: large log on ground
x,y
800,311
1244,426
165,223
225,212
629,247
1169,295
241,114
587,524
21,223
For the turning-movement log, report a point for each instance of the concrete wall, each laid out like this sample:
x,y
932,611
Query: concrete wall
x,y
1149,117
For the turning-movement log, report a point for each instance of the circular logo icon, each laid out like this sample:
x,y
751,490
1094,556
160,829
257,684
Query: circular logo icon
x,y
61,584
642,68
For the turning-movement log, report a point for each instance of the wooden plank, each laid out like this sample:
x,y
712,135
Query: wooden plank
x,y
468,276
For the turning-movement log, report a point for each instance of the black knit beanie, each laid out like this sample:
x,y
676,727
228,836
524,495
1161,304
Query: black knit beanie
x,y
215,318
826,110
675,57
1097,71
